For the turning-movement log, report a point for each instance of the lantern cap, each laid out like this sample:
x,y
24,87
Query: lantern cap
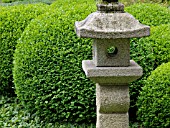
x,y
111,25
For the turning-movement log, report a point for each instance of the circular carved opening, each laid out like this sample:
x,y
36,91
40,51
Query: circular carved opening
x,y
112,51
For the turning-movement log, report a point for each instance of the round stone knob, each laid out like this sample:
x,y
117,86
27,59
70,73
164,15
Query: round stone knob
x,y
111,7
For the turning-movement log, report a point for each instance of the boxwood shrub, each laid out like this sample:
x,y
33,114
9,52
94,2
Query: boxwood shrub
x,y
48,76
13,21
153,102
149,53
150,14
47,70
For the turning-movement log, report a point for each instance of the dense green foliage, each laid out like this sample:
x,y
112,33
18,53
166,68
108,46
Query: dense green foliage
x,y
27,2
152,51
47,70
149,53
13,21
54,82
13,115
48,75
150,14
153,102
131,2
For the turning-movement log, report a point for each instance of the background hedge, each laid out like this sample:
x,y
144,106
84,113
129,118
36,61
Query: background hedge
x,y
150,14
153,102
149,53
21,2
47,70
13,21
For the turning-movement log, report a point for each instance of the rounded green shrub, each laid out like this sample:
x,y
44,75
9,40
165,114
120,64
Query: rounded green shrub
x,y
154,99
47,70
13,21
48,76
149,53
150,14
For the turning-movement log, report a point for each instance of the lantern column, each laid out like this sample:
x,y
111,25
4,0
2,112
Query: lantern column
x,y
111,68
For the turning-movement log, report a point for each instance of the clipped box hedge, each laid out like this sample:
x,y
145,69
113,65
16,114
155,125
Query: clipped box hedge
x,y
149,53
154,99
150,14
47,70
13,21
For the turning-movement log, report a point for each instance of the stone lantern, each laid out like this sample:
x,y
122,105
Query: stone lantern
x,y
111,68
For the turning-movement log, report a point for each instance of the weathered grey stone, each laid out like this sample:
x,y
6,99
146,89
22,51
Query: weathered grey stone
x,y
102,58
114,75
112,70
111,25
111,7
112,98
115,120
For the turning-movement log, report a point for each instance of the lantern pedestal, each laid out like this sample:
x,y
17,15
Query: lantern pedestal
x,y
112,92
